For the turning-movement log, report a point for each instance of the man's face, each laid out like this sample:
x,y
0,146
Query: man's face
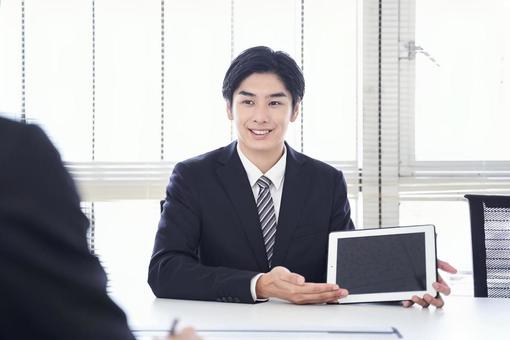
x,y
262,109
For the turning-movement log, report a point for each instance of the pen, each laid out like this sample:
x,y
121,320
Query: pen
x,y
173,327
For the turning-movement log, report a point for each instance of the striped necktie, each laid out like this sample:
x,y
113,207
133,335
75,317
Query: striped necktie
x,y
267,216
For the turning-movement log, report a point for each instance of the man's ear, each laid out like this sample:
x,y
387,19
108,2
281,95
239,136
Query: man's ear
x,y
295,112
229,111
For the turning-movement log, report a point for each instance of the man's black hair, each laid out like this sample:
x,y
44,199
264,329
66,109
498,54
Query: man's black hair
x,y
262,59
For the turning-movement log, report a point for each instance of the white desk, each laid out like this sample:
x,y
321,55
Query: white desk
x,y
461,318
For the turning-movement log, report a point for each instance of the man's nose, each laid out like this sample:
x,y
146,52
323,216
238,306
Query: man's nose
x,y
261,114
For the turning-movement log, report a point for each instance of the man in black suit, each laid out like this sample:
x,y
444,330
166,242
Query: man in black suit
x,y
52,287
250,221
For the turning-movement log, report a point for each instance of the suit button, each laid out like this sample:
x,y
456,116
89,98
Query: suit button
x,y
218,299
223,299
237,300
229,299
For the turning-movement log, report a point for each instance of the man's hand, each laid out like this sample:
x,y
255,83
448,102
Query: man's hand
x,y
283,284
440,286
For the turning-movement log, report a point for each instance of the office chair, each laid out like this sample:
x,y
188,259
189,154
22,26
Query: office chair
x,y
490,239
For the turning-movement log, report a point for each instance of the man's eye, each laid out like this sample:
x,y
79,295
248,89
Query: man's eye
x,y
275,103
248,102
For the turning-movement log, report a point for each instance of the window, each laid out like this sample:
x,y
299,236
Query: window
x,y
409,98
125,89
454,61
462,87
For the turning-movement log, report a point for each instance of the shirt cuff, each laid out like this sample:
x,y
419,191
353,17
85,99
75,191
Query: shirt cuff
x,y
253,284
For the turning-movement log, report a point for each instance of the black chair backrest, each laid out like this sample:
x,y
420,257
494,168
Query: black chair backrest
x,y
490,238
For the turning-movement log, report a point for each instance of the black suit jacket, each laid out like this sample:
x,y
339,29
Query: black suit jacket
x,y
209,242
52,287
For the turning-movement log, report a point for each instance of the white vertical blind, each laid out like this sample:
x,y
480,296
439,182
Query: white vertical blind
x,y
453,102
95,82
389,110
380,113
468,94
197,54
453,116
428,135
371,209
58,76
10,57
127,80
406,86
276,24
331,64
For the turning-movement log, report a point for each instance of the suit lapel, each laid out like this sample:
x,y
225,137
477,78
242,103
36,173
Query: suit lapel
x,y
295,186
235,182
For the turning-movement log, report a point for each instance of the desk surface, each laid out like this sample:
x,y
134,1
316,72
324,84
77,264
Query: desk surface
x,y
462,317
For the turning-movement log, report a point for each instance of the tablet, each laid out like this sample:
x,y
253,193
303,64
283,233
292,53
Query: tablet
x,y
386,264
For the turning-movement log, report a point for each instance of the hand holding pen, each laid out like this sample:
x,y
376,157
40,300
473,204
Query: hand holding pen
x,y
187,333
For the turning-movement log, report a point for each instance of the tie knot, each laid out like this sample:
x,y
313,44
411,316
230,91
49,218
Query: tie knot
x,y
263,182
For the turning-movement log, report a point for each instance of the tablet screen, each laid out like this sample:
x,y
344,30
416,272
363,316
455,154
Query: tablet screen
x,y
379,264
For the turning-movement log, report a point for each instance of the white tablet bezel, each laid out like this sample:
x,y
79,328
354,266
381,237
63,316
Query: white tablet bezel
x,y
430,261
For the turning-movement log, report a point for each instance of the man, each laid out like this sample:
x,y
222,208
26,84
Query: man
x,y
52,287
250,221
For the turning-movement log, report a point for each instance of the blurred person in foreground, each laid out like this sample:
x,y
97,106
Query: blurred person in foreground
x,y
52,286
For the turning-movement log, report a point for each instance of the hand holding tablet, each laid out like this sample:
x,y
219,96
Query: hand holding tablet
x,y
388,264
440,286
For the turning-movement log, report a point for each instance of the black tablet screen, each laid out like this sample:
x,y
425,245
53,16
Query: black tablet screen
x,y
381,264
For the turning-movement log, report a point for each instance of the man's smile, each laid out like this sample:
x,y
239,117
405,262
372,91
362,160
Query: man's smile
x,y
260,132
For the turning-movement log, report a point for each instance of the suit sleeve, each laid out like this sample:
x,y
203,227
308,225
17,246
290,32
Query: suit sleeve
x,y
340,210
54,288
175,270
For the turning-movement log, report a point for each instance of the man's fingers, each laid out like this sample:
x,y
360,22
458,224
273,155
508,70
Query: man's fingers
x,y
284,274
284,287
407,303
428,299
442,288
317,298
420,301
315,288
446,267
292,287
308,288
310,293
437,302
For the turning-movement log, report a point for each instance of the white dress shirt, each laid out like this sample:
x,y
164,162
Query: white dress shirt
x,y
277,175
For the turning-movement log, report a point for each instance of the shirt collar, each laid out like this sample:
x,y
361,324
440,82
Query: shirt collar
x,y
275,174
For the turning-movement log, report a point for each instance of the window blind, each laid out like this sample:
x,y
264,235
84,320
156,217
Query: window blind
x,y
428,64
125,89
380,113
